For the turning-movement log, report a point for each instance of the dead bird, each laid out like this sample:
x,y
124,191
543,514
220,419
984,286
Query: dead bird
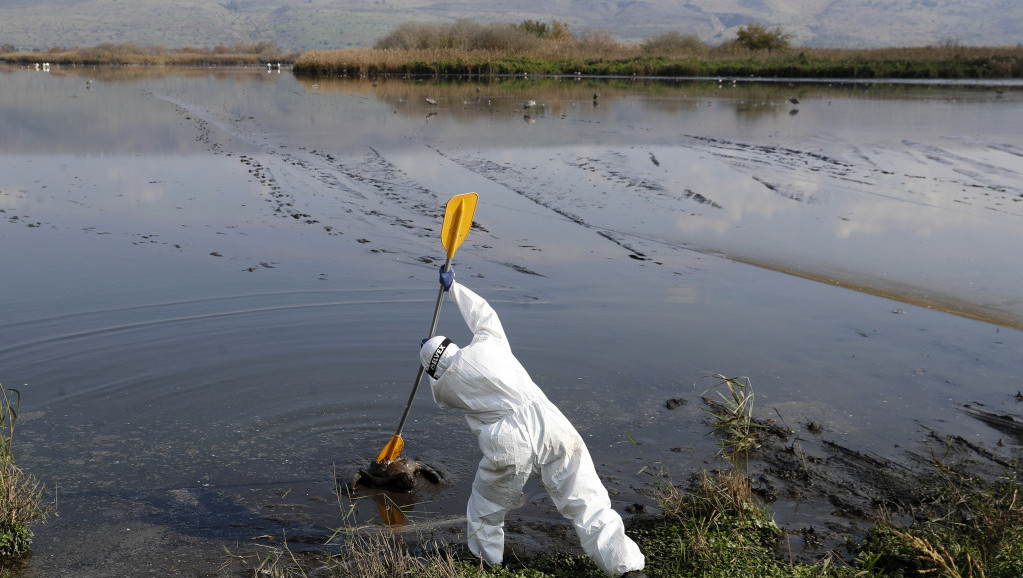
x,y
397,475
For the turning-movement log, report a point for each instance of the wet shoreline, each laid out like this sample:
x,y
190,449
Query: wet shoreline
x,y
950,304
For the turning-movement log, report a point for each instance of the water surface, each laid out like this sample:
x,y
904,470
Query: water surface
x,y
216,281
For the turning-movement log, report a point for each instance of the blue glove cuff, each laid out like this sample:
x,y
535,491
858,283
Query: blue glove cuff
x,y
446,278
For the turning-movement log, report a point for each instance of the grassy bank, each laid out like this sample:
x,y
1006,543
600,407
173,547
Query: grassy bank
x,y
136,55
588,56
963,524
21,495
716,527
905,63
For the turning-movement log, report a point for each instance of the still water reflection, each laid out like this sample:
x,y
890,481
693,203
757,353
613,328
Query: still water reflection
x,y
215,281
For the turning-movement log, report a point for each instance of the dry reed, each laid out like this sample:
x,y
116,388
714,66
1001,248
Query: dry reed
x,y
600,55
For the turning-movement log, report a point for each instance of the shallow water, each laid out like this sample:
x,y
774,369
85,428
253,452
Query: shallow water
x,y
216,281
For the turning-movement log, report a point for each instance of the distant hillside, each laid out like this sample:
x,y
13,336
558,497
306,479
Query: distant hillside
x,y
320,24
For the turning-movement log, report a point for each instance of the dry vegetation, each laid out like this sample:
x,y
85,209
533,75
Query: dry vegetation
x,y
716,525
133,54
21,495
469,48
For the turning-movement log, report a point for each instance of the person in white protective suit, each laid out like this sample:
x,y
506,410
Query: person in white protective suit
x,y
521,433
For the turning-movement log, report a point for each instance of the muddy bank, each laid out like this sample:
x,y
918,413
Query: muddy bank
x,y
823,493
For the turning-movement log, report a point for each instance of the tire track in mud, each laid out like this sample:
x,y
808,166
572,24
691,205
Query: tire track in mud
x,y
334,191
284,202
991,186
613,169
767,161
508,178
383,194
617,176
368,189
777,168
781,169
612,173
380,191
373,190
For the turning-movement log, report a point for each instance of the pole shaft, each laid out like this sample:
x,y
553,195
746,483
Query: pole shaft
x,y
419,376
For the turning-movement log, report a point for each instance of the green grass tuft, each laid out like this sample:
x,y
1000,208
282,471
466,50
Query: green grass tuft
x,y
21,495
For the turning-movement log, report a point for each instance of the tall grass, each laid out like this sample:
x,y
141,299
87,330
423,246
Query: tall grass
x,y
358,550
732,416
139,55
21,495
367,555
971,527
601,59
467,48
470,48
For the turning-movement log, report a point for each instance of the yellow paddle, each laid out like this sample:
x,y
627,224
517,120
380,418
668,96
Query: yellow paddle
x,y
457,221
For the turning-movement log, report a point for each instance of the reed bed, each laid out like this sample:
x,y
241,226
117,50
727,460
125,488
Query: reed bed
x,y
608,59
109,54
21,494
594,53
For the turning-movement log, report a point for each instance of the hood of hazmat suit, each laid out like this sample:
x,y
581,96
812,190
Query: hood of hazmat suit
x,y
436,355
521,434
484,379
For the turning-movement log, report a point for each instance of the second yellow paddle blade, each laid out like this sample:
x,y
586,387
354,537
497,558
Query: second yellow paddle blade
x,y
457,221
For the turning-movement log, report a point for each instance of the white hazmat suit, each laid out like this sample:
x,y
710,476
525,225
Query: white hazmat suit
x,y
521,433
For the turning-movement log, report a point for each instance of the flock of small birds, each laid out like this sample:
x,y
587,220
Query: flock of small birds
x,y
528,104
532,103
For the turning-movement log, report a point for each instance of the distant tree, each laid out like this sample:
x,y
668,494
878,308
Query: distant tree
x,y
534,27
758,37
559,31
598,43
8,48
463,34
673,44
556,31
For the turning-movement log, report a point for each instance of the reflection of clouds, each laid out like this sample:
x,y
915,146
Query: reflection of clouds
x,y
867,217
11,200
684,294
126,190
739,196
912,190
919,193
911,215
125,184
149,195
851,226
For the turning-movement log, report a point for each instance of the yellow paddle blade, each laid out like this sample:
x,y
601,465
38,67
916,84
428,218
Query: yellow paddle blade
x,y
391,514
457,221
392,450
